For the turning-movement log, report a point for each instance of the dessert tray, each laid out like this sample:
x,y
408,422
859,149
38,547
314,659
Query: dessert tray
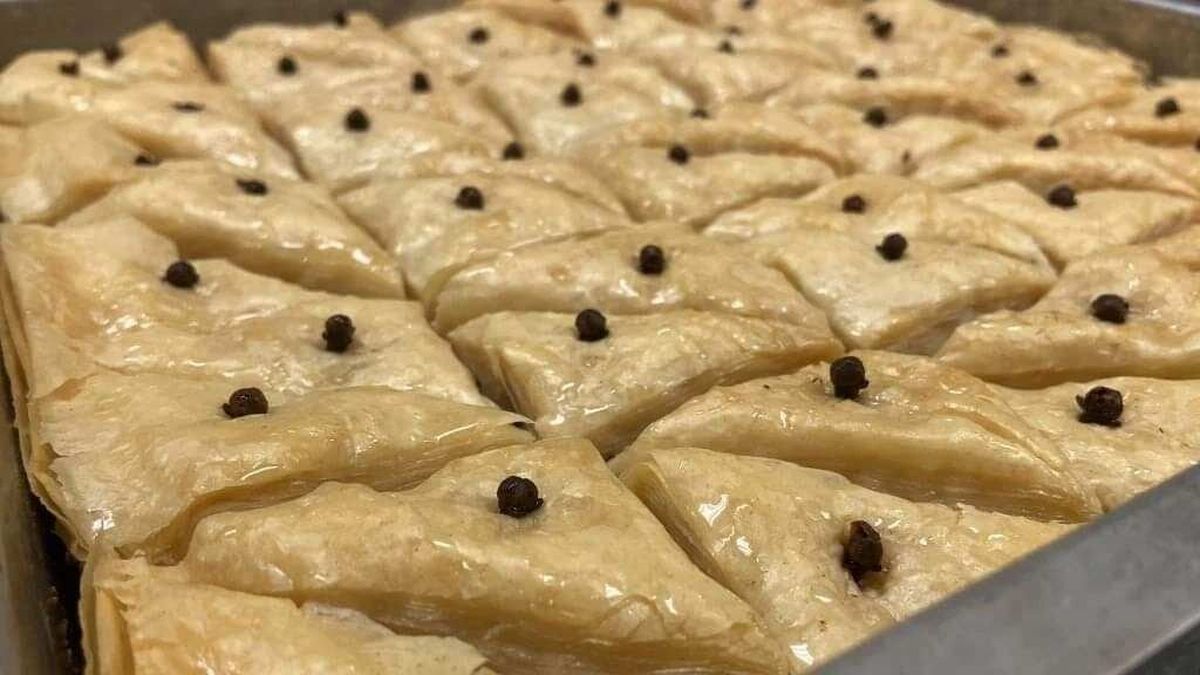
x,y
586,336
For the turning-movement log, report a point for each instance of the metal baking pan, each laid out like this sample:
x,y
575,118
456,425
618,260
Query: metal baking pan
x,y
1121,595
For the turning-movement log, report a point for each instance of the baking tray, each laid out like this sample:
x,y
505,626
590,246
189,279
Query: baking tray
x,y
1121,595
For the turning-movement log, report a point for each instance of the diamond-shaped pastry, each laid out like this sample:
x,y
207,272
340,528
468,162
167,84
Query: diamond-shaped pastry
x,y
41,85
342,145
115,296
1167,115
436,226
721,68
612,25
1152,439
551,102
1099,220
647,270
785,539
1086,163
689,170
277,226
949,262
554,587
897,147
459,41
560,174
899,95
918,429
151,620
1048,75
1061,339
141,482
608,385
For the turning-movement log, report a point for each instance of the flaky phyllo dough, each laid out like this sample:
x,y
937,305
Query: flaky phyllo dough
x,y
690,169
587,582
1060,339
88,299
140,484
609,389
145,620
274,226
774,534
919,430
956,260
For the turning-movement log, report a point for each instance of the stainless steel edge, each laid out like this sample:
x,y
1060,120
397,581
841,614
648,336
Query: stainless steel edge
x,y
1121,595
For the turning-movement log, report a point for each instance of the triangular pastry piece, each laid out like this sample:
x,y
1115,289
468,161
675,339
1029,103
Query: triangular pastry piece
x,y
892,36
1099,219
1146,439
436,226
658,268
459,41
560,174
919,430
1151,326
723,67
52,168
101,297
343,146
269,61
1092,163
1166,115
1047,75
593,21
621,27
284,70
40,85
192,121
785,539
891,262
552,101
899,96
273,226
689,169
140,484
146,620
606,379
897,147
555,590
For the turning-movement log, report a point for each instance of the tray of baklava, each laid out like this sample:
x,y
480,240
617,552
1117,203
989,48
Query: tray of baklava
x,y
585,336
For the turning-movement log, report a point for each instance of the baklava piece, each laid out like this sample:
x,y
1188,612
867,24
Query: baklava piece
x,y
435,226
894,264
198,446
691,169
648,270
606,377
1124,312
146,620
117,296
900,424
525,553
551,102
273,226
826,563
40,85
